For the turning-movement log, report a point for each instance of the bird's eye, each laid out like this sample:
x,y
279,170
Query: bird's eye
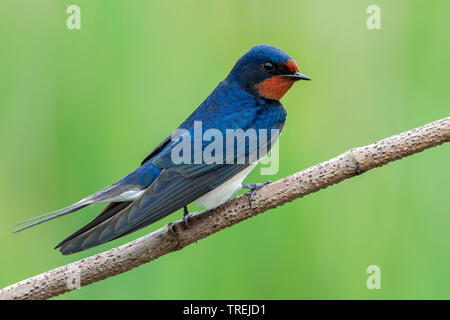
x,y
268,66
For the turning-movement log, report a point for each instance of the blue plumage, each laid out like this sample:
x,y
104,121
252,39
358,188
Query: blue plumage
x,y
248,99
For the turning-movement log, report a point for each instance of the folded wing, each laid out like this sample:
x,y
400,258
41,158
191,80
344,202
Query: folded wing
x,y
170,192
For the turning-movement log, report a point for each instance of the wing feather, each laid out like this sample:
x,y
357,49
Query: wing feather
x,y
170,192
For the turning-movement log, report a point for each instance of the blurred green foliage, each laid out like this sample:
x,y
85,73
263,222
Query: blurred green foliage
x,y
81,108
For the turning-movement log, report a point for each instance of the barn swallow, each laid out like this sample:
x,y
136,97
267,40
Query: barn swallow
x,y
247,99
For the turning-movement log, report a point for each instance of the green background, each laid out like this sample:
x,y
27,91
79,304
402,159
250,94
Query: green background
x,y
81,108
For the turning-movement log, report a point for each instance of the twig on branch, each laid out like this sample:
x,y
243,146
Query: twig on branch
x,y
175,236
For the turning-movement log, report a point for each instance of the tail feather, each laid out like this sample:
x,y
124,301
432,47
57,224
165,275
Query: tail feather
x,y
53,215
110,193
110,210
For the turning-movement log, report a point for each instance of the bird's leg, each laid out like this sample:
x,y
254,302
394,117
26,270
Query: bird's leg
x,y
186,216
253,187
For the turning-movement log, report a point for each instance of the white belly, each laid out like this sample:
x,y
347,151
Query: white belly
x,y
223,192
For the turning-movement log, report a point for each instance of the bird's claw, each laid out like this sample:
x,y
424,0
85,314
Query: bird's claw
x,y
186,216
186,220
253,187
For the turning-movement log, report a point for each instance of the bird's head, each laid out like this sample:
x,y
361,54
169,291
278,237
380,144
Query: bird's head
x,y
266,71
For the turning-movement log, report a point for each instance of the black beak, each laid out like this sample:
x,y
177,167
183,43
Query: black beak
x,y
297,76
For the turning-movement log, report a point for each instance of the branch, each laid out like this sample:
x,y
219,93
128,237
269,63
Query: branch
x,y
175,236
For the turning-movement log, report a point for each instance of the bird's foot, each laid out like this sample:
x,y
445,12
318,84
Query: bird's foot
x,y
186,216
253,187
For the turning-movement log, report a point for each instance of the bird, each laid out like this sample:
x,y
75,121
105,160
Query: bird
x,y
247,99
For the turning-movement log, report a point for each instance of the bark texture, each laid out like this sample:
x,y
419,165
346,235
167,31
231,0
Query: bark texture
x,y
176,236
